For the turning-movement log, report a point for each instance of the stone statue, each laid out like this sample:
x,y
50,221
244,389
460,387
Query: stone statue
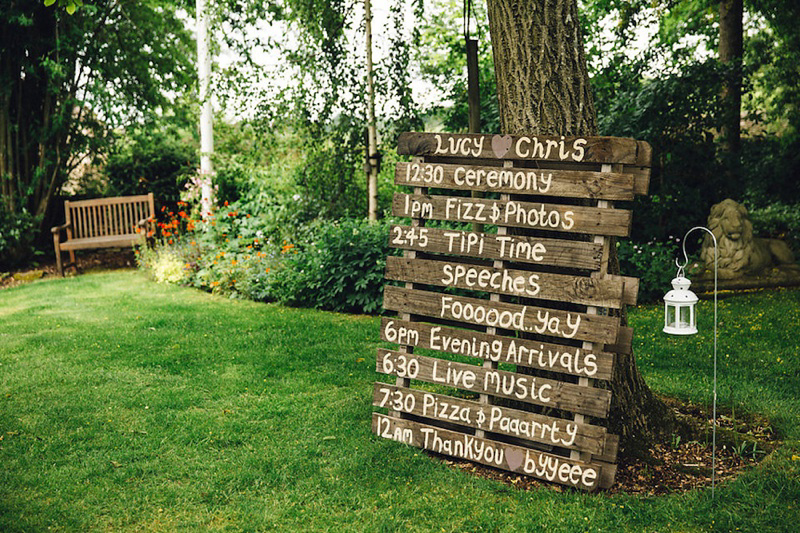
x,y
740,253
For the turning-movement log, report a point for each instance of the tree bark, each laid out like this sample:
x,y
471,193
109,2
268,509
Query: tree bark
x,y
731,48
540,68
543,89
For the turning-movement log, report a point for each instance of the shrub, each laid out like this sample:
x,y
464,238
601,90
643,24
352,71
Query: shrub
x,y
337,266
341,270
778,221
151,162
652,262
17,235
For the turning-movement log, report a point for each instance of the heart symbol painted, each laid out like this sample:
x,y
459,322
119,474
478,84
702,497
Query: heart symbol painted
x,y
501,144
514,458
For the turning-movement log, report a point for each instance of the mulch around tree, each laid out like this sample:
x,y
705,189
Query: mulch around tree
x,y
669,467
90,260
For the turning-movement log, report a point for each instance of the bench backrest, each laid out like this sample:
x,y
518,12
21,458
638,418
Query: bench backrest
x,y
101,217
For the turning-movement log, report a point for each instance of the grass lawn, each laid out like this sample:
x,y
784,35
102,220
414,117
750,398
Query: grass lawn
x,y
131,406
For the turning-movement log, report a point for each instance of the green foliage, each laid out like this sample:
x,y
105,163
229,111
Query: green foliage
x,y
443,63
323,264
342,269
151,160
778,221
676,114
652,262
17,236
668,93
68,81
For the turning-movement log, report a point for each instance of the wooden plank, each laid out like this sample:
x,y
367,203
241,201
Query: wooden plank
x,y
531,215
631,290
499,383
624,342
641,179
112,200
93,232
519,249
109,241
509,457
492,418
544,321
598,291
532,147
517,180
499,349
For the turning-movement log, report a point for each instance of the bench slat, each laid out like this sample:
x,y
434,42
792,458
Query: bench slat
x,y
110,241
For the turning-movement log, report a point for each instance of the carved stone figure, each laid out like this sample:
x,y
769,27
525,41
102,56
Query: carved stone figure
x,y
740,253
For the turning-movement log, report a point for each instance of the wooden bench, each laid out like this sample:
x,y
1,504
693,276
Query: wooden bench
x,y
103,223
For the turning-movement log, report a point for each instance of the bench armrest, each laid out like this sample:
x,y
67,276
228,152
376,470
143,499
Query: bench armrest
x,y
145,221
57,229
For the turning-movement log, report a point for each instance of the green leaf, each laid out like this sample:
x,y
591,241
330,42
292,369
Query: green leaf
x,y
49,3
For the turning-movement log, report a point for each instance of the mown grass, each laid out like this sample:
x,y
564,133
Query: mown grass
x,y
131,406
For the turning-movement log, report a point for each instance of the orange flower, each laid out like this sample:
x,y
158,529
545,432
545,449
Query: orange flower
x,y
170,241
193,243
267,271
234,262
214,283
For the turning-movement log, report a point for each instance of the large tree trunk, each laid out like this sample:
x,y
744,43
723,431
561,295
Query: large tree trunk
x,y
539,63
731,48
543,88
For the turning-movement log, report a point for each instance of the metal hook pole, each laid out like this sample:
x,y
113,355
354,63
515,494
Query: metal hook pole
x,y
714,402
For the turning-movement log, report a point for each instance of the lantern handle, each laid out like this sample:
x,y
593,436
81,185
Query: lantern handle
x,y
681,268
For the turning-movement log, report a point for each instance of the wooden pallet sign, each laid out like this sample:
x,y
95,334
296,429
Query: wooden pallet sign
x,y
505,316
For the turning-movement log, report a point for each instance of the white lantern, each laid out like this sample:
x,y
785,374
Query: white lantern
x,y
680,319
679,308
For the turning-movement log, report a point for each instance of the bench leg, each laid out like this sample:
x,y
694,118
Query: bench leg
x,y
72,259
59,266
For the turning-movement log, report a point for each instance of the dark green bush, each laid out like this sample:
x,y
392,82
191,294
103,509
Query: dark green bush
x,y
778,221
653,263
342,269
151,162
17,237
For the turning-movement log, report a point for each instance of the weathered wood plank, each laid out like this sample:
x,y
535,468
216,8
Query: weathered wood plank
x,y
500,383
599,291
499,349
493,418
533,215
519,249
517,180
544,321
586,476
126,200
547,148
